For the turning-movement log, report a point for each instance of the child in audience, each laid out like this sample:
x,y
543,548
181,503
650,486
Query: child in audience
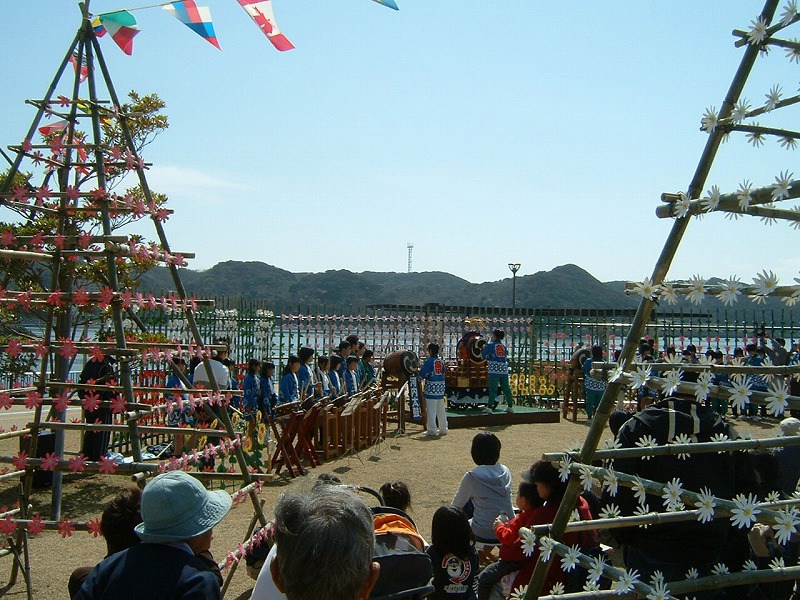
x,y
453,554
512,558
395,494
485,491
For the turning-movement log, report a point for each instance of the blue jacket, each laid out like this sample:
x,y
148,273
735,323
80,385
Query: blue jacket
x,y
150,571
289,389
336,385
495,353
251,386
305,380
432,372
351,379
268,396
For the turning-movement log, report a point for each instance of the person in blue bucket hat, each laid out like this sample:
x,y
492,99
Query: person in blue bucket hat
x,y
178,517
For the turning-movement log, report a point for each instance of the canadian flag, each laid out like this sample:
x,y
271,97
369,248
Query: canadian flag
x,y
261,12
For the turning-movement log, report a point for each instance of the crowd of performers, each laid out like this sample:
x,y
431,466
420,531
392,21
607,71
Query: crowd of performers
x,y
768,351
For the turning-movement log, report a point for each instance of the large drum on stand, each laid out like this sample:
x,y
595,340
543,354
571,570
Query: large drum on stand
x,y
467,379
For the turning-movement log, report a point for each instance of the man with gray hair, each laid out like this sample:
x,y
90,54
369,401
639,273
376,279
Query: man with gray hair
x,y
324,546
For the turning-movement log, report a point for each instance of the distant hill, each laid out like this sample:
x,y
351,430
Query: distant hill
x,y
567,286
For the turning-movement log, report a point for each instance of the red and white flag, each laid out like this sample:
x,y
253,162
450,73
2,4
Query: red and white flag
x,y
261,12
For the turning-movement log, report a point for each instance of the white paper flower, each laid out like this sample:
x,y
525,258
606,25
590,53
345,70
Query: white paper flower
x,y
740,110
668,293
789,143
639,491
570,558
611,483
660,591
786,524
730,290
546,548
765,283
758,31
711,200
773,496
528,540
646,289
692,573
672,379
574,516
682,438
591,586
647,441
671,493
596,565
616,372
557,589
703,386
757,139
575,446
743,194
776,564
776,401
740,392
757,298
749,565
697,289
640,376
640,511
610,511
674,359
564,466
773,97
745,512
626,581
611,444
780,189
519,593
720,569
682,205
587,480
656,578
719,437
789,12
793,52
794,298
710,119
706,503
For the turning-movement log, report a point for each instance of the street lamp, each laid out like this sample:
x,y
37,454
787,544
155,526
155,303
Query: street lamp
x,y
514,268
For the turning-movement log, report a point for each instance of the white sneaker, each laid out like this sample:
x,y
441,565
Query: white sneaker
x,y
430,434
443,432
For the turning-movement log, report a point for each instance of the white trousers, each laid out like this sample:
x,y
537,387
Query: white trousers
x,y
436,410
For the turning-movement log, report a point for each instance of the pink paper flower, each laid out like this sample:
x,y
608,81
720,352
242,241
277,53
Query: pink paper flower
x,y
78,464
50,461
61,402
91,401
8,526
118,404
33,399
97,354
107,466
66,528
93,527
6,401
36,526
68,349
20,461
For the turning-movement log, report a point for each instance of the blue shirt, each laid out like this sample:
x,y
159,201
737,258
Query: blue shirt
x,y
432,372
252,394
495,353
336,385
289,388
351,379
305,380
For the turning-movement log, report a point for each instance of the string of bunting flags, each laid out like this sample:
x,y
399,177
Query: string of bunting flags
x,y
121,25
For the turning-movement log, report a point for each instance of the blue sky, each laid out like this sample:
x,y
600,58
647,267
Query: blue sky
x,y
484,133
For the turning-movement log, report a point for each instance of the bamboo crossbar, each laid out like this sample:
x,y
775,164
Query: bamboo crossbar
x,y
714,368
714,289
10,475
7,435
25,255
257,477
132,468
124,428
784,133
117,388
726,201
723,505
676,449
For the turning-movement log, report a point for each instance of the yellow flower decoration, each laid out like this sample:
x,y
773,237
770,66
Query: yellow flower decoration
x,y
247,446
262,433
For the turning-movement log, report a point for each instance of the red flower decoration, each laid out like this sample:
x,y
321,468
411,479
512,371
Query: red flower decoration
x,y
24,300
105,297
97,354
91,401
107,465
78,464
40,350
98,194
66,528
50,461
20,460
72,192
118,404
54,299
68,349
7,237
80,297
6,401
14,348
61,402
93,526
36,526
33,400
8,527
85,239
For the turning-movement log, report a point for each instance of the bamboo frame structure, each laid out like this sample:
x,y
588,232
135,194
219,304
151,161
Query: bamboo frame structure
x,y
58,308
589,450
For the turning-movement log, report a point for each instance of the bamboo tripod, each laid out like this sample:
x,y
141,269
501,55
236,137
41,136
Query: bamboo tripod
x,y
719,126
75,166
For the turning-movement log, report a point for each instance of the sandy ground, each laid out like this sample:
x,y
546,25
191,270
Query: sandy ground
x,y
431,467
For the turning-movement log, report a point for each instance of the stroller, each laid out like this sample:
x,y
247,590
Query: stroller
x,y
406,570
